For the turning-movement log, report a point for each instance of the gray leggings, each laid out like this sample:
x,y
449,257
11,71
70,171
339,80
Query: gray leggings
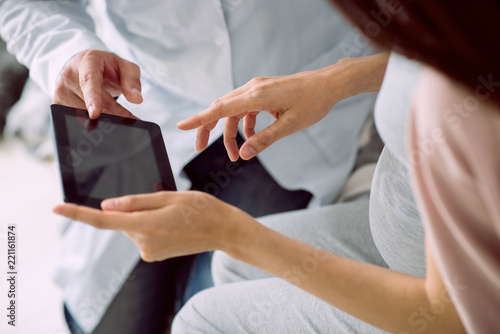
x,y
248,300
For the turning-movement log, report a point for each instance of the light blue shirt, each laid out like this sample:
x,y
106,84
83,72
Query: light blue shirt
x,y
190,53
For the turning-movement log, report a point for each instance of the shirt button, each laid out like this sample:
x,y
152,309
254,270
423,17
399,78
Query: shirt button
x,y
219,40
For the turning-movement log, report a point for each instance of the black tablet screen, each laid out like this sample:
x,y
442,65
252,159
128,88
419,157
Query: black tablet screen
x,y
111,160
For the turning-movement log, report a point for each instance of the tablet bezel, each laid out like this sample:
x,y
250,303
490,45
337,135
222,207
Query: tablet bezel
x,y
62,142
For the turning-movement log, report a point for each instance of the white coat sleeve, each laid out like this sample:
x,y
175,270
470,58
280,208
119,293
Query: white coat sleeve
x,y
44,35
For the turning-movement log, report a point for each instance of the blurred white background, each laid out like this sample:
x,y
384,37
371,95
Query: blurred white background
x,y
29,189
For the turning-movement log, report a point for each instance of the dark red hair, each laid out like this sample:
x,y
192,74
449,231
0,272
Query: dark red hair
x,y
460,38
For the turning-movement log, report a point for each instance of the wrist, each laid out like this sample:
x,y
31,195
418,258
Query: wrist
x,y
354,76
237,230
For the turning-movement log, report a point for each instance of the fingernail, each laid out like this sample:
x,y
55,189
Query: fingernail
x,y
136,91
91,111
247,152
109,204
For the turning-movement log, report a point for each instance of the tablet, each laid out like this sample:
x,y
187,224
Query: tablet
x,y
108,157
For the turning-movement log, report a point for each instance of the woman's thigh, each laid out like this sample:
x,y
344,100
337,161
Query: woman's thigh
x,y
342,229
268,305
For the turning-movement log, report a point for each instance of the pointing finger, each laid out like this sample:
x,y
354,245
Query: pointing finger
x,y
90,77
96,218
220,109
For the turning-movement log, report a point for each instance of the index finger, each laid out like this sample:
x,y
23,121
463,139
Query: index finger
x,y
103,220
226,108
90,78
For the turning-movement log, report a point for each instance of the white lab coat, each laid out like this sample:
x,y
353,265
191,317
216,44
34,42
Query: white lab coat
x,y
190,53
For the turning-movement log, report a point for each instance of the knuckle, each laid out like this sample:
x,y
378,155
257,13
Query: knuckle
x,y
218,108
228,139
86,78
202,129
217,104
79,56
92,54
253,81
132,69
135,67
257,80
89,55
203,197
76,216
165,195
128,201
98,223
285,122
187,194
258,92
66,76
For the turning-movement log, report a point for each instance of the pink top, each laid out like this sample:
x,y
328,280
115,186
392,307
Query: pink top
x,y
454,141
